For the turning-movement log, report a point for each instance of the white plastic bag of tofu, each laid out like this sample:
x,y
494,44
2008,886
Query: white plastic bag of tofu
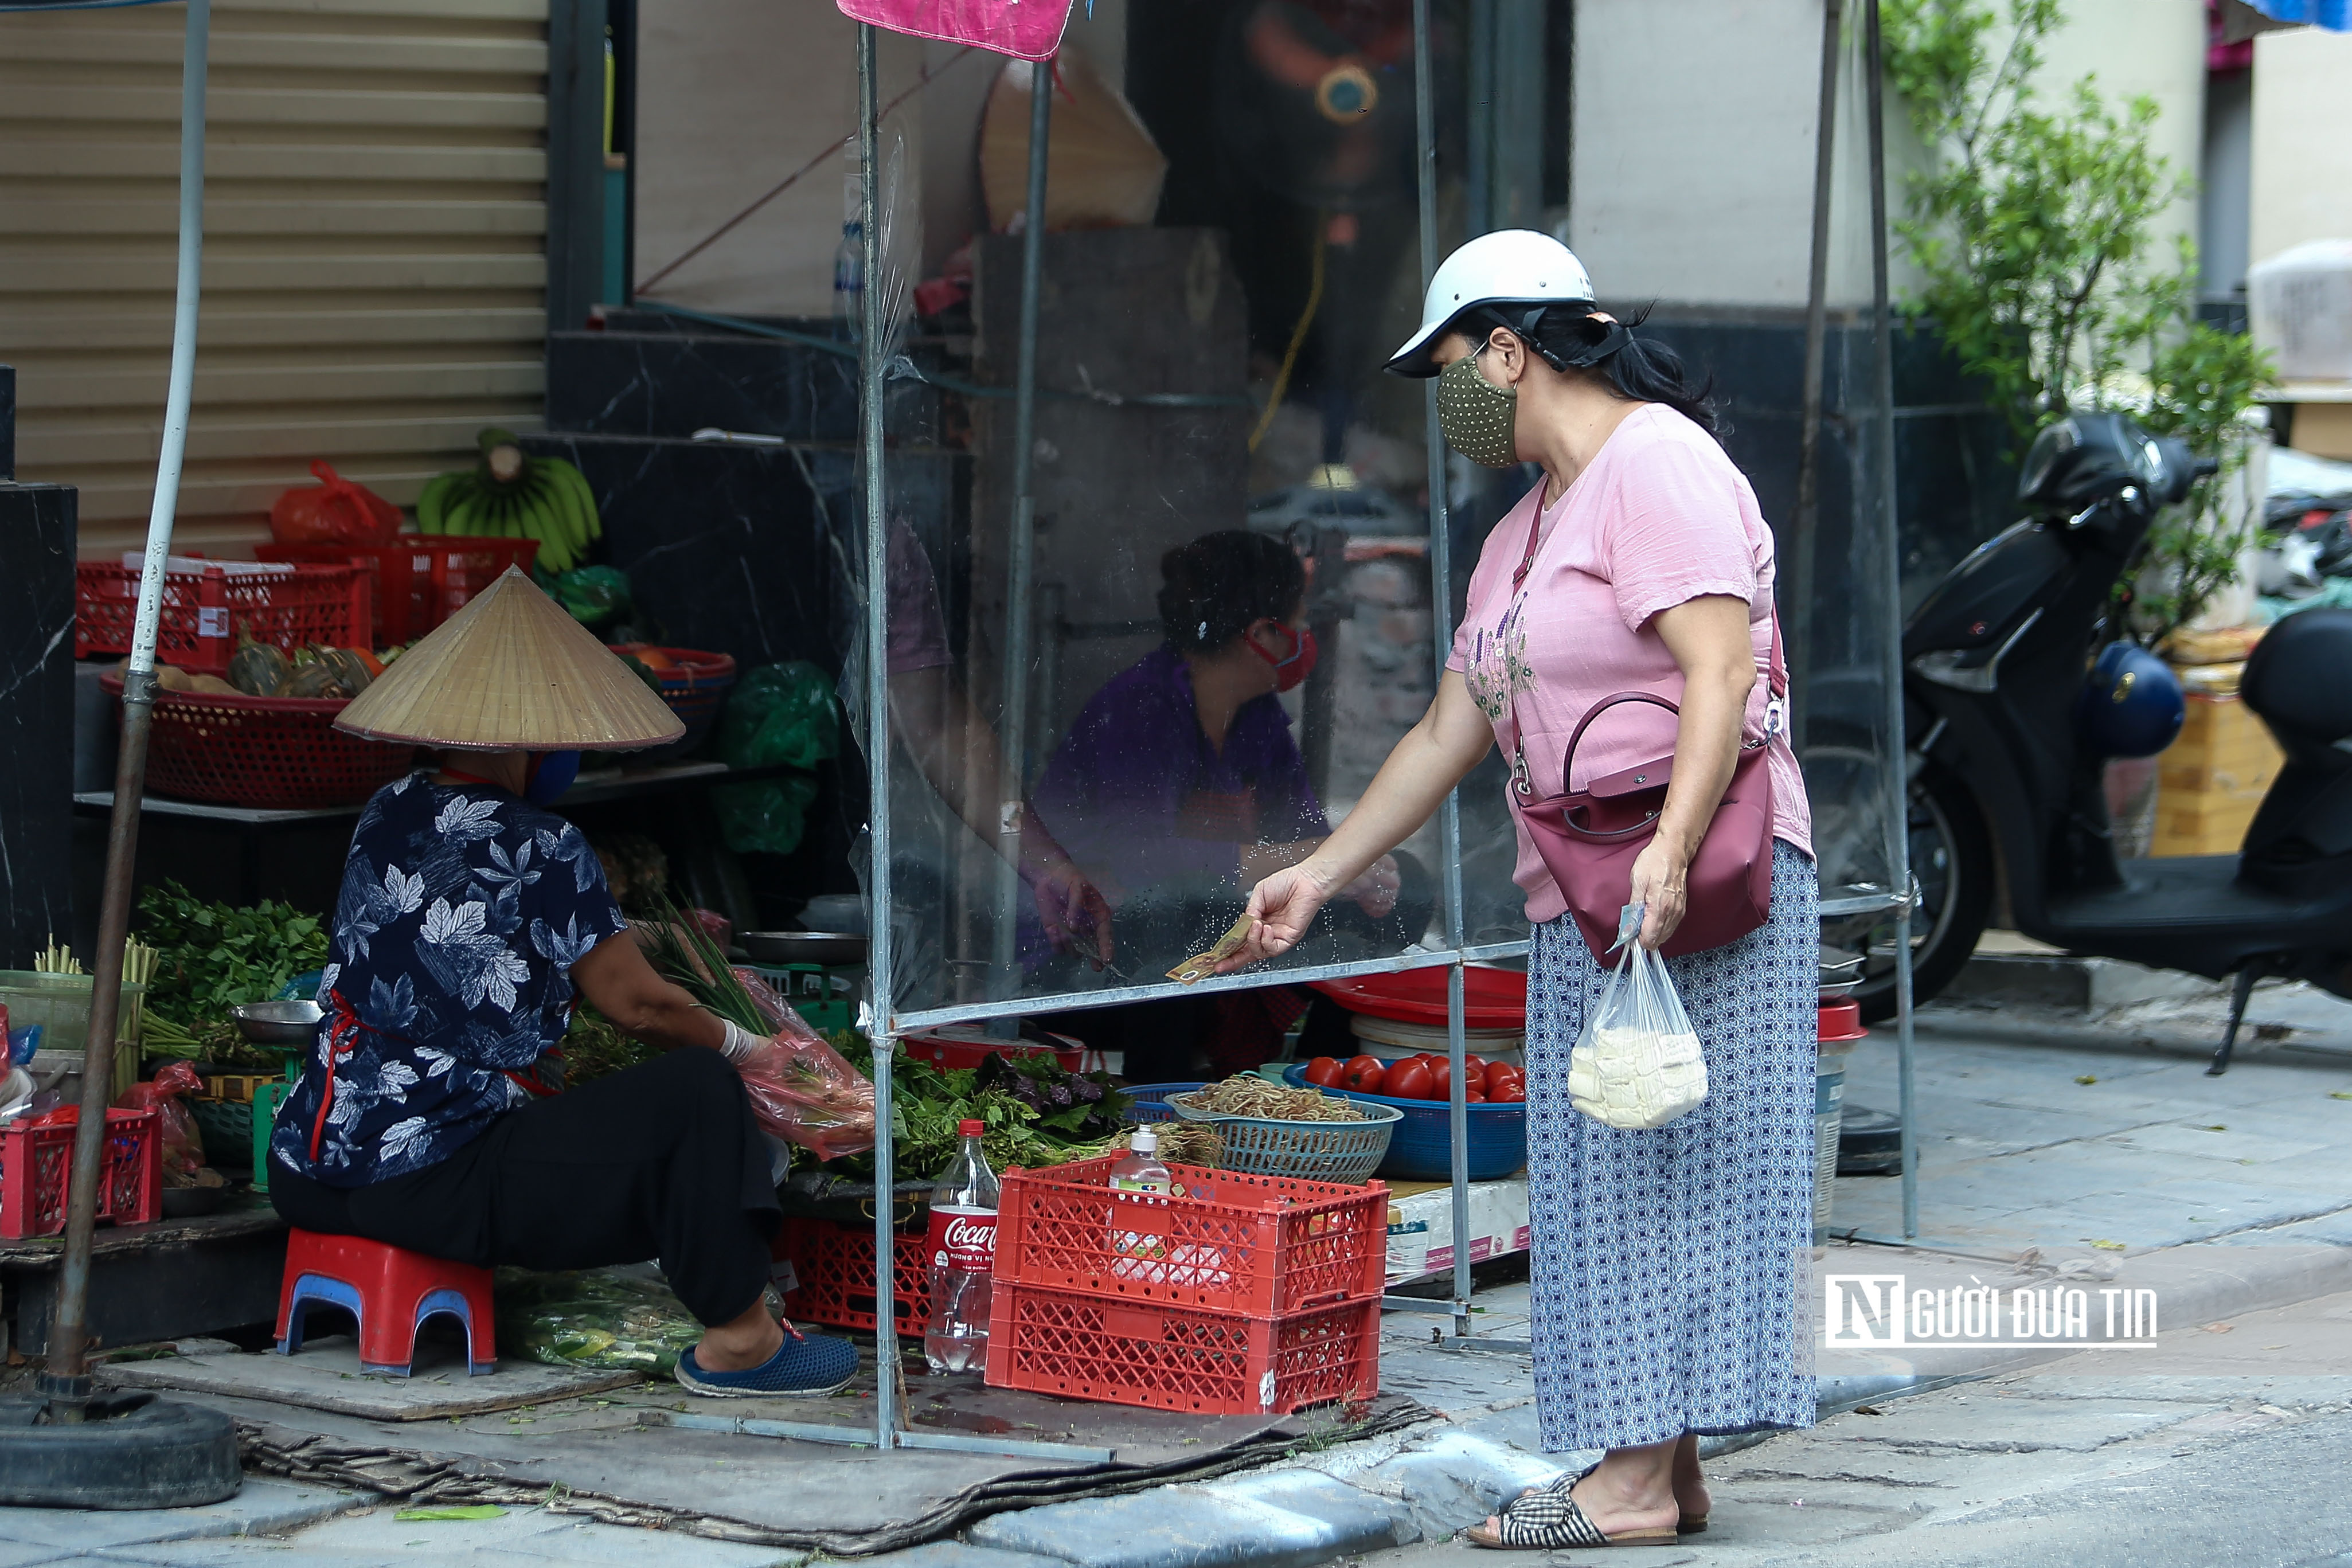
x,y
1637,1063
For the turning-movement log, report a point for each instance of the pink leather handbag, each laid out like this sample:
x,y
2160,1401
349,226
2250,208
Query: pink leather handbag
x,y
1589,837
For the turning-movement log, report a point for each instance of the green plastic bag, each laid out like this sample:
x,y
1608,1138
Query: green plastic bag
x,y
766,818
780,716
597,596
593,1318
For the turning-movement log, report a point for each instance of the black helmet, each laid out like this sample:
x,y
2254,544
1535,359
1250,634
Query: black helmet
x,y
2086,458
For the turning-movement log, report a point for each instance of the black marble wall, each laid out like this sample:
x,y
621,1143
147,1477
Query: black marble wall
x,y
36,738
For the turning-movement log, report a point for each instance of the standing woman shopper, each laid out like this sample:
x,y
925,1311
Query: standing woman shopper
x,y
1669,1262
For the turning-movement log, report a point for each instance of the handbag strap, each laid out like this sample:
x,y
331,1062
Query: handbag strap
x,y
1776,681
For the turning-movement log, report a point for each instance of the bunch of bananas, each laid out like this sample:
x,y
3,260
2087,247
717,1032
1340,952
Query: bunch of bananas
x,y
512,495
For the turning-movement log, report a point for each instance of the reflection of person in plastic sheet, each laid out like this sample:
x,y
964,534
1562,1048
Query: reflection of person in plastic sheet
x,y
1315,116
1179,786
955,748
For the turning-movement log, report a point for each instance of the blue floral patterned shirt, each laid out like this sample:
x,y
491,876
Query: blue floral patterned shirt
x,y
463,910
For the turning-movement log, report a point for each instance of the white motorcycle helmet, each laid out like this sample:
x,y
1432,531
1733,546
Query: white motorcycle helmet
x,y
1509,267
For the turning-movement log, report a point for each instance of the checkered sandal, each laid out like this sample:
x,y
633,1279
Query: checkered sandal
x,y
1552,1521
1688,1524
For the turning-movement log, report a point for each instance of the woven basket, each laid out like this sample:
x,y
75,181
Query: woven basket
x,y
1343,1151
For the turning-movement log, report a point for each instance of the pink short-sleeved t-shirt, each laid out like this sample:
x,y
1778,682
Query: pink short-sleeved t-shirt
x,y
1659,517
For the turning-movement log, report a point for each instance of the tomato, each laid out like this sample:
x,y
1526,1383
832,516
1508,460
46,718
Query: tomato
x,y
1513,1092
1440,1081
1473,1098
1408,1080
1474,1069
1363,1074
1501,1071
1324,1072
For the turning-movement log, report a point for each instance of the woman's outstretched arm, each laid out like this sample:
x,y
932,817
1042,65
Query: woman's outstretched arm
x,y
1429,761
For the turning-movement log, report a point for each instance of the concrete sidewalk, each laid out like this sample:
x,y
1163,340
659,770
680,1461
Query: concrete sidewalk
x,y
2066,1152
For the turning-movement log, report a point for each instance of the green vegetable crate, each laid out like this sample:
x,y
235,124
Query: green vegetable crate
x,y
265,1100
823,1001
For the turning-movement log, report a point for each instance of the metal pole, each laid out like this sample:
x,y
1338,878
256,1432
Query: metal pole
x,y
1012,783
64,1378
1441,621
1800,600
1899,782
877,739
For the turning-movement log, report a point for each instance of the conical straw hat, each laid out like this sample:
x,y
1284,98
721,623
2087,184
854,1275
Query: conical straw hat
x,y
512,671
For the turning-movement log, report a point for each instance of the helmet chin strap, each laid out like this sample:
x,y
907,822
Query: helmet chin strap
x,y
1585,355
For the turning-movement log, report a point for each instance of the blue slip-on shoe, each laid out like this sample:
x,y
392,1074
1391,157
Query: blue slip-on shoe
x,y
803,1365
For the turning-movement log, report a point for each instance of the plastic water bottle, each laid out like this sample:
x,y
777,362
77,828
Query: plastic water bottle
x,y
962,1246
1138,1238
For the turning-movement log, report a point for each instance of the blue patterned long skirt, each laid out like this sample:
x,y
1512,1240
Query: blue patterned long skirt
x,y
1672,1266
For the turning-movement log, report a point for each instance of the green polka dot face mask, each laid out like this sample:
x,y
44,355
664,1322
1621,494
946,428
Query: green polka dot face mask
x,y
1476,416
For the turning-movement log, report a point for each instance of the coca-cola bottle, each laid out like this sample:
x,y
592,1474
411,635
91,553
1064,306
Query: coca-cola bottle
x,y
962,1247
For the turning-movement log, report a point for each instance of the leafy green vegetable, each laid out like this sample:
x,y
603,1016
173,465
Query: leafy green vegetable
x,y
926,1104
211,956
593,1049
687,958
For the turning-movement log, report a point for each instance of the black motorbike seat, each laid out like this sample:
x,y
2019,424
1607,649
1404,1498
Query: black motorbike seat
x,y
2299,680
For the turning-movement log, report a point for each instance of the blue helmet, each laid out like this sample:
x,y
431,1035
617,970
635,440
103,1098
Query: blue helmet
x,y
2131,705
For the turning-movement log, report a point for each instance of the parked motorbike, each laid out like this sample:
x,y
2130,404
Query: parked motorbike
x,y
2007,770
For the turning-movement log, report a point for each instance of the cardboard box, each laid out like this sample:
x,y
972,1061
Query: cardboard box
x,y
2211,780
1421,1224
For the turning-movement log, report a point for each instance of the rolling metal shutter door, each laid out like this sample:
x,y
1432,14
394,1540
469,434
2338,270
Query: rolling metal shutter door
x,y
374,248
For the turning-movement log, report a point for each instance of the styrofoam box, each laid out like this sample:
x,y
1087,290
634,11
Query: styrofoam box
x,y
1421,1226
2300,302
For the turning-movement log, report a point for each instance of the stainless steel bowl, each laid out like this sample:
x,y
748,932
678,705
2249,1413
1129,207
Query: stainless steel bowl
x,y
1842,971
277,1023
837,949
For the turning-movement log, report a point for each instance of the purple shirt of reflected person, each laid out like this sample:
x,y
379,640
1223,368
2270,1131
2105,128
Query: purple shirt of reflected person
x,y
1139,796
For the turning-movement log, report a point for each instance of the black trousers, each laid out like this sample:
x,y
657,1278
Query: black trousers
x,y
661,1161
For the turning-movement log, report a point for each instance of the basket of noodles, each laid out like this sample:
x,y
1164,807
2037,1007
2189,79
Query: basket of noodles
x,y
1267,1129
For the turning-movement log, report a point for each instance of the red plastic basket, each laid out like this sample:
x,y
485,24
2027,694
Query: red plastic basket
x,y
835,1266
1261,1245
278,753
418,583
36,1160
1174,1358
695,690
969,1045
206,612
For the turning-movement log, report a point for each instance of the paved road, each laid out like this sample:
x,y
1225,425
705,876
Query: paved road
x,y
2236,1453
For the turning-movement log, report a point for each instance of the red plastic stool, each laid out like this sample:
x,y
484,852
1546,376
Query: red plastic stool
x,y
391,1290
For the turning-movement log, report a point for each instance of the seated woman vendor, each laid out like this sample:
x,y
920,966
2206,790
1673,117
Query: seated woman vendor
x,y
1179,785
469,919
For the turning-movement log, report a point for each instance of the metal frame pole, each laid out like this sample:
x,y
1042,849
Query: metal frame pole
x,y
877,739
1899,782
1441,621
64,1378
1012,784
1809,452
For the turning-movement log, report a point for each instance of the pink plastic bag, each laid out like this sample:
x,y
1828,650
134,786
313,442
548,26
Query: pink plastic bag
x,y
1025,30
801,1090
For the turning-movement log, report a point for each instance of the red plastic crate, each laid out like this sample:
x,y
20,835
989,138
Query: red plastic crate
x,y
418,583
964,1045
1266,1246
1175,1358
268,752
36,1159
205,612
835,1266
